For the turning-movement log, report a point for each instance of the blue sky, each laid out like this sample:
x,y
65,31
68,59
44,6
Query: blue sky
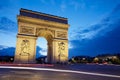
x,y
94,24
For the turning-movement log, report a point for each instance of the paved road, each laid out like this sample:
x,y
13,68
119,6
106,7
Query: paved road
x,y
96,68
81,72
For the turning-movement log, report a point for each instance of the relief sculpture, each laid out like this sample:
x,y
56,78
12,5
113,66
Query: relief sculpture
x,y
44,29
61,34
61,49
25,47
27,30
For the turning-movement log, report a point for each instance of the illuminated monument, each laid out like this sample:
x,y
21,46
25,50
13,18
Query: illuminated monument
x,y
32,25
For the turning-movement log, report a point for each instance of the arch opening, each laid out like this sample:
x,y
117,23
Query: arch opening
x,y
44,47
41,50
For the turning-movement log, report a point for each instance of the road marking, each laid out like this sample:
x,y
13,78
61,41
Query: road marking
x,y
60,70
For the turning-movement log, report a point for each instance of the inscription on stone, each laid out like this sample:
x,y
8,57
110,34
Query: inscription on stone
x,y
27,30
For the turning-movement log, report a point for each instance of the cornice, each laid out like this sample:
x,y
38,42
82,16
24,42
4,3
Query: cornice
x,y
44,14
26,36
42,22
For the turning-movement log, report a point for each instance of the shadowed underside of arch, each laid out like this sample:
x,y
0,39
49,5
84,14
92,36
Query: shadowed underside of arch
x,y
46,34
32,25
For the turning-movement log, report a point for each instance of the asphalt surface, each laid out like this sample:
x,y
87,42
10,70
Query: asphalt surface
x,y
83,72
96,68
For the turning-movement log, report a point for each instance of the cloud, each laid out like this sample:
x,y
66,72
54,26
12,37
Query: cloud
x,y
106,25
40,52
100,38
7,25
43,52
9,9
109,43
3,47
70,46
38,49
9,51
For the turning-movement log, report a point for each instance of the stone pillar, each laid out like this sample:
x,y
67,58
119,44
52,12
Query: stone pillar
x,y
25,49
50,53
60,51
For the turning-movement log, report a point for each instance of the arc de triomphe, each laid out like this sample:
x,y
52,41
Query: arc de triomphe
x,y
32,25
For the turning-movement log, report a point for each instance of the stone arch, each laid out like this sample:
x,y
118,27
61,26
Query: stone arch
x,y
49,36
32,25
45,33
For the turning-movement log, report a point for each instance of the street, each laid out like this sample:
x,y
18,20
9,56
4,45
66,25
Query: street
x,y
69,72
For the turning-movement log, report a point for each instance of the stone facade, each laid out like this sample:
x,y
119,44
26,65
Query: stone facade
x,y
29,29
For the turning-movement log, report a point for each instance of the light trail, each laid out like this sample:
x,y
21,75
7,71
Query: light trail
x,y
59,70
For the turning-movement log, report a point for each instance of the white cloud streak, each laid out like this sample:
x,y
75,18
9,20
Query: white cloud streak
x,y
106,25
70,45
43,52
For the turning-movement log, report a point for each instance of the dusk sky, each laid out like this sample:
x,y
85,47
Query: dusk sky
x,y
94,24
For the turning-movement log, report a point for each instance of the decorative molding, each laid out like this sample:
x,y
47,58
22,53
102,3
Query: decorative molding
x,y
44,14
45,23
26,36
26,30
38,30
61,34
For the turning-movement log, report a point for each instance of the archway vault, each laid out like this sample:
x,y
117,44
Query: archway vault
x,y
48,35
32,25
